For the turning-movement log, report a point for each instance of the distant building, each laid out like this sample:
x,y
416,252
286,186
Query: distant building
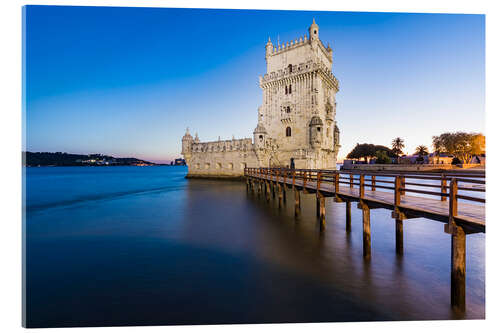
x,y
442,158
179,161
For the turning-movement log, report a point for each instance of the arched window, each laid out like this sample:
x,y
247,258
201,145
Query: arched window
x,y
290,89
261,137
288,131
286,90
290,68
287,109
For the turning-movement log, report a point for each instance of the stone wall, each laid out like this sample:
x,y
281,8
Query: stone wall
x,y
220,159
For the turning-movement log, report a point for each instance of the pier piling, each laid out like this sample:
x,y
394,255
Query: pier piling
x,y
367,242
322,211
297,202
399,236
458,269
280,196
348,216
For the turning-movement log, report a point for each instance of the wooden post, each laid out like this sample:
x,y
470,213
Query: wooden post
x,y
458,247
351,181
399,236
304,181
403,182
322,213
284,187
280,196
453,208
373,182
297,202
268,190
348,216
399,221
361,186
443,187
458,269
397,192
318,195
367,242
317,205
318,181
337,179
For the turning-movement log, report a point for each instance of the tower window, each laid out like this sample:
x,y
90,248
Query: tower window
x,y
315,32
290,68
290,89
286,90
288,131
261,137
287,109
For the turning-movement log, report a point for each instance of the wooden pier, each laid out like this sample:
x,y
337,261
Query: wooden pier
x,y
444,197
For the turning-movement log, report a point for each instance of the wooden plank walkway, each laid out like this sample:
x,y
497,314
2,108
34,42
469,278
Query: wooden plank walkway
x,y
441,202
472,215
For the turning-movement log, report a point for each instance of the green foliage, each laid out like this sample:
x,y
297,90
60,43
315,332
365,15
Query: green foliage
x,y
382,157
461,145
422,151
368,150
397,146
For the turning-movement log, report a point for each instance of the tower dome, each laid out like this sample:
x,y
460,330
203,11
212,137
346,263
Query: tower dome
x,y
260,129
314,31
316,121
187,136
187,141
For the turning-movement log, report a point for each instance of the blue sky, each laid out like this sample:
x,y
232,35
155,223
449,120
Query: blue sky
x,y
128,81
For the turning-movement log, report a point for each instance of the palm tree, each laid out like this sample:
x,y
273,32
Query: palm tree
x,y
422,151
397,146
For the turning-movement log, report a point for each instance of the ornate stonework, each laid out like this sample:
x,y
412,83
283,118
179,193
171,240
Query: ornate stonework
x,y
296,121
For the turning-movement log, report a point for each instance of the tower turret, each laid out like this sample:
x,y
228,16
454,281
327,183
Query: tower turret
x,y
316,132
259,136
187,141
314,31
269,47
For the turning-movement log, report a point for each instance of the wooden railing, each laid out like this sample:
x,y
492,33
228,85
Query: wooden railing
x,y
442,186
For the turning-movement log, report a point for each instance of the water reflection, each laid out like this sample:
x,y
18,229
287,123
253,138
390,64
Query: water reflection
x,y
202,251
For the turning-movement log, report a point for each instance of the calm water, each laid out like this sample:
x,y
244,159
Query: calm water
x,y
145,246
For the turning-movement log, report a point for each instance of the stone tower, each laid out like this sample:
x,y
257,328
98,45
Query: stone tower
x,y
296,121
298,109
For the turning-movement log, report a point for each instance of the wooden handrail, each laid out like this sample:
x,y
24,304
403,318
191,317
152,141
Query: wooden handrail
x,y
337,177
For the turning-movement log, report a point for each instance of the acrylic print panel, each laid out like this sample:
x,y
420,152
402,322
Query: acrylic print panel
x,y
196,166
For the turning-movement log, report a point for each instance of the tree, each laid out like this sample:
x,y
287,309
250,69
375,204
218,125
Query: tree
x,y
461,145
422,151
363,150
382,157
368,150
397,146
